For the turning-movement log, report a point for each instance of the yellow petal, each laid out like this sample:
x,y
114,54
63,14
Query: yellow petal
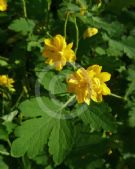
x,y
3,5
87,101
105,76
96,68
105,89
73,81
58,66
58,52
59,42
70,45
94,96
99,98
69,53
48,42
91,73
79,98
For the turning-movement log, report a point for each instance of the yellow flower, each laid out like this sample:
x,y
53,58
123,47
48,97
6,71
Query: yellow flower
x,y
7,82
83,9
99,78
80,84
3,5
58,52
89,32
89,84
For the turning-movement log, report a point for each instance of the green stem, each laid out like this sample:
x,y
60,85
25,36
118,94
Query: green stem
x,y
74,66
18,100
3,102
4,153
3,58
77,36
65,25
47,33
117,96
24,8
9,143
26,162
69,101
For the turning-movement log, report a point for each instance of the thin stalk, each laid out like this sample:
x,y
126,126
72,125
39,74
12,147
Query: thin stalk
x,y
65,25
74,66
26,162
3,102
18,100
3,58
117,96
68,101
9,143
24,8
77,36
4,153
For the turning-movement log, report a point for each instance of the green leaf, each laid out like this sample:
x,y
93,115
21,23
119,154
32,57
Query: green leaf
x,y
131,78
10,126
53,82
114,5
22,25
42,158
115,48
70,7
98,163
3,133
129,46
114,28
3,165
3,63
3,150
88,148
34,134
38,106
98,116
10,117
126,45
60,141
131,74
132,117
49,167
100,51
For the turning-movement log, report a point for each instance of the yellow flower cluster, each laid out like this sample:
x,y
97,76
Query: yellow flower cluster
x,y
89,84
7,82
58,52
3,5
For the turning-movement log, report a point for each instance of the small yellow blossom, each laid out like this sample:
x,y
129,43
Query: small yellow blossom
x,y
7,82
83,9
89,84
89,32
110,152
3,5
58,52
